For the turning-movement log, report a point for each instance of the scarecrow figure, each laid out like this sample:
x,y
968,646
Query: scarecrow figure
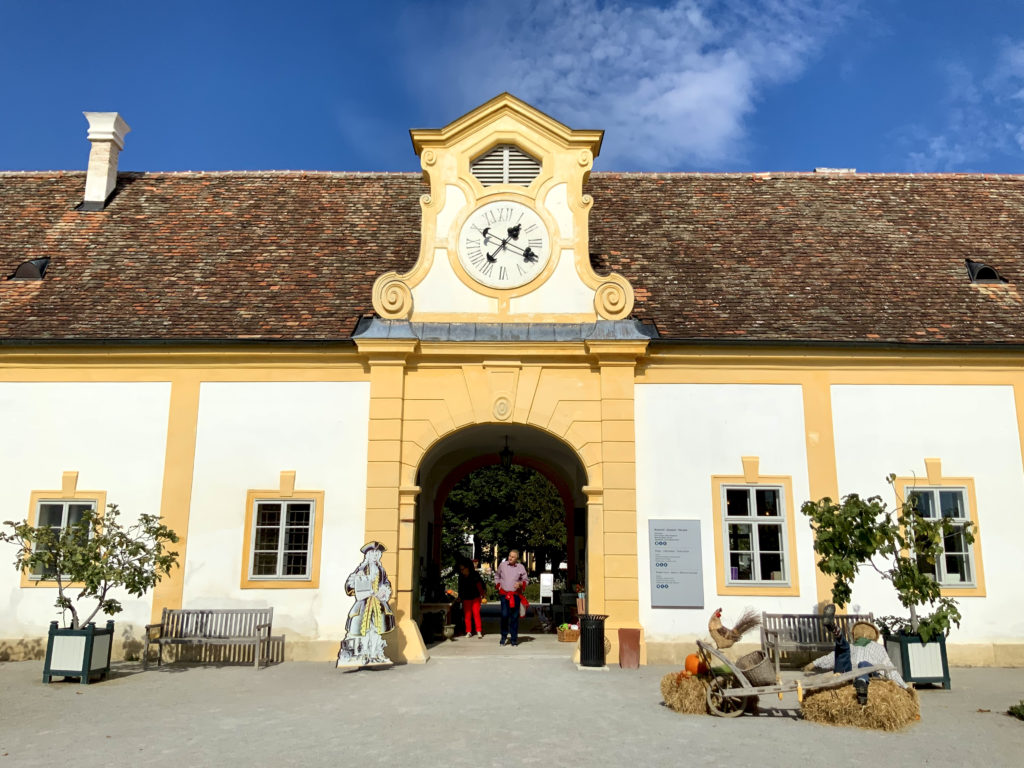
x,y
864,652
370,617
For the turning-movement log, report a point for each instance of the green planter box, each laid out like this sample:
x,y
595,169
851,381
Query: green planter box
x,y
83,653
919,662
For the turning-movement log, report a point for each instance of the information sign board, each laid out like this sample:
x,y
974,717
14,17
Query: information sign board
x,y
677,577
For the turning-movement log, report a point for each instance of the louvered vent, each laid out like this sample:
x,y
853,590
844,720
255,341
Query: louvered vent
x,y
505,164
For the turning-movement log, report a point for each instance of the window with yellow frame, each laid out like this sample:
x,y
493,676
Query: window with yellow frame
x,y
59,509
959,570
283,530
755,533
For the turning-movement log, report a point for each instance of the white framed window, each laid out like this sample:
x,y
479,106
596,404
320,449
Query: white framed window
x,y
58,514
755,526
282,539
955,568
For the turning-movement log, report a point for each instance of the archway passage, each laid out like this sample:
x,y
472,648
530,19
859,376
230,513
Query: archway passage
x,y
495,508
514,468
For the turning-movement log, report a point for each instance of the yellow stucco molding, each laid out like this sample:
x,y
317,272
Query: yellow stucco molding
x,y
227,362
489,113
68,484
68,492
751,478
176,494
286,492
935,479
709,363
822,472
386,352
556,194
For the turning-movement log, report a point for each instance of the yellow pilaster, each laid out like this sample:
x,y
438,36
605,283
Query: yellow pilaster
x,y
391,507
176,496
822,476
611,529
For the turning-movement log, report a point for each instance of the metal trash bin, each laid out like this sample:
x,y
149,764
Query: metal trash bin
x,y
592,640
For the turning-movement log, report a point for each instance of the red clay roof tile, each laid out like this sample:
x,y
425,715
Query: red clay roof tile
x,y
293,256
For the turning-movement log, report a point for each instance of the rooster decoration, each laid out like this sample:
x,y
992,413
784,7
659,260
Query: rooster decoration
x,y
723,636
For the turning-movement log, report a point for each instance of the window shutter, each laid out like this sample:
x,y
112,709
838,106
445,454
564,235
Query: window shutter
x,y
505,164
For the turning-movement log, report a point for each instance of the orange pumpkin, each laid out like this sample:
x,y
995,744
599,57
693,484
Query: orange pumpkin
x,y
694,665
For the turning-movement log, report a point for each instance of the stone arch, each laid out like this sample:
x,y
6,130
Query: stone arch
x,y
537,450
451,456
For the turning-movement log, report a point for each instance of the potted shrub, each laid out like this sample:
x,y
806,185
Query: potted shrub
x,y
87,560
902,546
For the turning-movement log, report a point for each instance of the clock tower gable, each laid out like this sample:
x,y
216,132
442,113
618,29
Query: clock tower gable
x,y
504,228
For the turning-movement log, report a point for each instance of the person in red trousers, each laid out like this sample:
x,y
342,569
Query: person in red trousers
x,y
471,593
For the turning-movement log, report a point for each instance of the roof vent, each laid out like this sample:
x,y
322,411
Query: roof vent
x,y
106,132
31,270
505,164
824,169
983,273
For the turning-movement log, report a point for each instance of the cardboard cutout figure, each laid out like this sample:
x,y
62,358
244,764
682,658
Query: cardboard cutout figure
x,y
370,617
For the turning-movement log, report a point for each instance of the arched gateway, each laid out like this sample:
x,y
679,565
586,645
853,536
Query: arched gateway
x,y
575,415
461,453
502,321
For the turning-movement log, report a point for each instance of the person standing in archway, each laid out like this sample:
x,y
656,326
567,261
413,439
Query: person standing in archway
x,y
471,593
510,579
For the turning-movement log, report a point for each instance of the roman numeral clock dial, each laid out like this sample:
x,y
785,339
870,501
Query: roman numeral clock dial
x,y
504,245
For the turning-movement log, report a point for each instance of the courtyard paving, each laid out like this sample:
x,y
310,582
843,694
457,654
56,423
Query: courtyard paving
x,y
487,706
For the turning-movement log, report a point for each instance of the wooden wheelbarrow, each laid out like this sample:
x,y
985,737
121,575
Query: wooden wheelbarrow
x,y
730,694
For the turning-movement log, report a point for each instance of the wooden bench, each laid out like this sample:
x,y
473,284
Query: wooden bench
x,y
231,626
802,633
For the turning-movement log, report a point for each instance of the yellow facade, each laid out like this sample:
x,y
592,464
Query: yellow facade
x,y
580,392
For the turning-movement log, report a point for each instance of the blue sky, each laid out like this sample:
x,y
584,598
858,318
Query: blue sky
x,y
690,85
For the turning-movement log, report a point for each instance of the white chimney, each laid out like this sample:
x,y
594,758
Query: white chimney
x,y
106,132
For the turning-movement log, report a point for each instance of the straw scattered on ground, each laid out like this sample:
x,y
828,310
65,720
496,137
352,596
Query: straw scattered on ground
x,y
889,707
685,695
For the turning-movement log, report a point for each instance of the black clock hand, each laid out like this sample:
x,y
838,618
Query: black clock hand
x,y
492,257
513,232
528,254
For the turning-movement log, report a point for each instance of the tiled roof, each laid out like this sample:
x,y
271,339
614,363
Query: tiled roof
x,y
815,257
273,256
293,256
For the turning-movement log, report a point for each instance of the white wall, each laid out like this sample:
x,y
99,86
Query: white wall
x,y
892,429
113,434
247,434
685,433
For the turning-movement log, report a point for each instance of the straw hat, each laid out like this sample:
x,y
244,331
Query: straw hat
x,y
865,629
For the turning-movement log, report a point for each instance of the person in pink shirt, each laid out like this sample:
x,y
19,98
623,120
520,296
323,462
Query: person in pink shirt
x,y
510,580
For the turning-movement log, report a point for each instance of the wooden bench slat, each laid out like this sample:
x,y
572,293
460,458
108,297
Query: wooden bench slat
x,y
793,632
241,627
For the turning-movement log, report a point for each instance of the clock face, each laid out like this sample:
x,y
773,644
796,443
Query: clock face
x,y
504,245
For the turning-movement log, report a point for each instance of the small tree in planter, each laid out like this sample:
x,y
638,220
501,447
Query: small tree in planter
x,y
88,560
902,546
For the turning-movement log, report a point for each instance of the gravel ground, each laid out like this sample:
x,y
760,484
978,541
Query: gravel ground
x,y
479,710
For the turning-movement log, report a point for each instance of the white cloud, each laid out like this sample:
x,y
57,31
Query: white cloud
x,y
984,116
671,84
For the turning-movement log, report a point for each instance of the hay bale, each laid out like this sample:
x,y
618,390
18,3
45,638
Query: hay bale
x,y
685,695
889,707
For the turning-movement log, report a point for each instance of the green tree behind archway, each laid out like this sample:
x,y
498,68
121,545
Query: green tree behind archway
x,y
514,508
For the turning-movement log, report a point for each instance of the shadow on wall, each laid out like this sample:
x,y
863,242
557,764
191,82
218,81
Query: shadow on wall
x,y
27,649
128,648
131,645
